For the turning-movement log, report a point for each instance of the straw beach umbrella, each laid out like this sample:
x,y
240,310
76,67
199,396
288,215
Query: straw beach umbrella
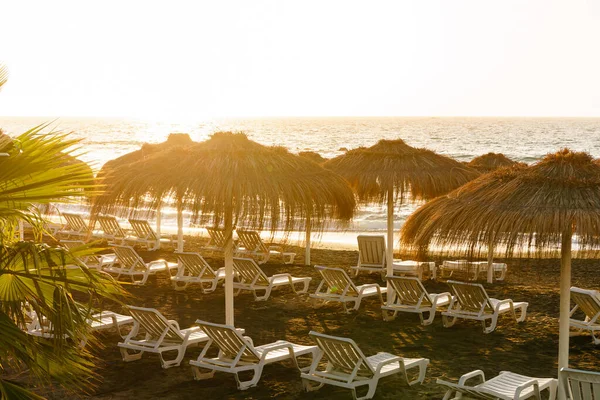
x,y
392,170
543,204
235,180
313,156
490,162
121,165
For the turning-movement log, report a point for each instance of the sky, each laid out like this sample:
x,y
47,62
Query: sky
x,y
200,59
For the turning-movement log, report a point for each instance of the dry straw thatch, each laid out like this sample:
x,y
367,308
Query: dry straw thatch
x,y
491,162
543,204
266,186
392,163
313,156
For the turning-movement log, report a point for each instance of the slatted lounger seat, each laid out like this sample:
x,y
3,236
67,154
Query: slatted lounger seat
x,y
249,276
112,231
337,286
192,268
75,227
153,333
237,354
147,237
471,301
252,245
579,384
506,386
587,301
410,296
129,263
348,367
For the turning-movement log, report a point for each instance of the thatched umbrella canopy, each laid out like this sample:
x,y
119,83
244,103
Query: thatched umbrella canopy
x,y
120,166
393,170
542,206
313,156
490,162
235,180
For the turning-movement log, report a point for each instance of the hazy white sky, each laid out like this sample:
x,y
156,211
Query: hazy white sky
x,y
197,59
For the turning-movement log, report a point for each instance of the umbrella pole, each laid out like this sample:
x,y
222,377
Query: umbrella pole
x,y
565,304
307,253
490,260
390,241
179,226
229,264
158,222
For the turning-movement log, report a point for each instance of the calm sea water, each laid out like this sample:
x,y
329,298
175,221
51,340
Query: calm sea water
x,y
521,139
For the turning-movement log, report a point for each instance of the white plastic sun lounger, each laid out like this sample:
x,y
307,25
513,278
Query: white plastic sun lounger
x,y
75,227
192,269
587,301
337,286
153,333
579,384
410,296
91,261
112,231
249,276
348,367
506,386
237,354
216,244
146,236
129,263
471,301
253,246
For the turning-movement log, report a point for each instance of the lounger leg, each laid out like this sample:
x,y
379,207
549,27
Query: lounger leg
x,y
311,386
199,376
304,287
429,320
265,296
387,317
130,357
357,303
370,392
174,362
492,326
448,321
523,309
422,371
243,385
178,287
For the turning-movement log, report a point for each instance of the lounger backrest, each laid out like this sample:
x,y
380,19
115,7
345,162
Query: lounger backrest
x,y
248,270
110,226
143,229
195,265
230,342
75,222
343,355
337,280
217,236
410,291
251,241
470,391
371,251
128,258
72,244
587,300
472,297
582,385
155,325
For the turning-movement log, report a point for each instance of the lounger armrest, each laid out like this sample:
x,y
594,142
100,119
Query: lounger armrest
x,y
441,296
189,331
366,286
272,277
161,261
501,303
276,248
473,374
174,323
532,382
388,361
279,346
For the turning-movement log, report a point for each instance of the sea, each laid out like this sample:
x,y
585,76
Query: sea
x,y
463,138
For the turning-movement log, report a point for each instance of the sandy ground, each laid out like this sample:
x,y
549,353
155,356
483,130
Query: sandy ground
x,y
528,348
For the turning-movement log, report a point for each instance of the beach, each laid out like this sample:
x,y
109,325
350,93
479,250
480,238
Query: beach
x,y
529,348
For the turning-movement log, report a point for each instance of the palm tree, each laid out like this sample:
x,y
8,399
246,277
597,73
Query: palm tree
x,y
32,170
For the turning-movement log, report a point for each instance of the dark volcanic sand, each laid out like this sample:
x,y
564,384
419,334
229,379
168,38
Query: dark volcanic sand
x,y
528,348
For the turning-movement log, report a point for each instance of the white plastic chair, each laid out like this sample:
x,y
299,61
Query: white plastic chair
x,y
579,384
471,301
410,296
337,286
253,246
153,333
238,354
587,301
193,268
506,386
249,276
129,263
347,366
